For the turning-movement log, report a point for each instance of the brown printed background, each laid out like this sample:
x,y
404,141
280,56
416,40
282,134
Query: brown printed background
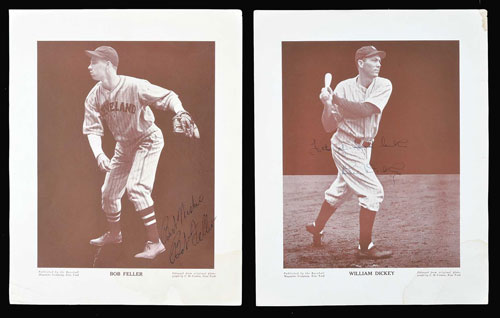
x,y
419,129
69,181
416,156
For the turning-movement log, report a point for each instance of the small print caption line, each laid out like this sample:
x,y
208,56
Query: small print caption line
x,y
193,275
58,273
304,274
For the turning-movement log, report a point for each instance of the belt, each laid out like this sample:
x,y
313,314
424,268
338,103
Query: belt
x,y
356,140
363,143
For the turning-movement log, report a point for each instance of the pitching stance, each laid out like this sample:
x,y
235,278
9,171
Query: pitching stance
x,y
355,108
123,102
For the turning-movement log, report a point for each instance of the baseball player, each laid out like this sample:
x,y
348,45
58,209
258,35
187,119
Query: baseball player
x,y
123,102
355,108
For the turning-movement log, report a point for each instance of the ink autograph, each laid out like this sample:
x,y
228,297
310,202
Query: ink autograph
x,y
394,168
186,229
396,143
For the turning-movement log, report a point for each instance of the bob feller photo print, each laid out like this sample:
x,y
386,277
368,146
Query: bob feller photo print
x,y
134,185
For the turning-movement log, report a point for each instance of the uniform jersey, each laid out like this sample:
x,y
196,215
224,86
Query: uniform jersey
x,y
355,174
377,93
125,108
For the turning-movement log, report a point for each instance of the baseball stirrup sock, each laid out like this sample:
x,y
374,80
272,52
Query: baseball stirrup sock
x,y
149,219
366,220
114,222
113,217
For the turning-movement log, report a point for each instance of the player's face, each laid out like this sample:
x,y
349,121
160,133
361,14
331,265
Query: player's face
x,y
97,68
371,66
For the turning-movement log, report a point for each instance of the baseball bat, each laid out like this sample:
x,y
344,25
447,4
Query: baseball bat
x,y
328,79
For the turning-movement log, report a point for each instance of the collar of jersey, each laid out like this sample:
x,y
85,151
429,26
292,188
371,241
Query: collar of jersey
x,y
117,85
361,86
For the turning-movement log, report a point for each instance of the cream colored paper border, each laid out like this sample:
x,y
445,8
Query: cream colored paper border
x,y
94,286
337,288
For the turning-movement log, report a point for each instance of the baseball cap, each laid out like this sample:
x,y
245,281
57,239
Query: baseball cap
x,y
367,51
106,53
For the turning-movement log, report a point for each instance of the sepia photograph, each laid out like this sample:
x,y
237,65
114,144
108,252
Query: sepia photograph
x,y
371,157
126,154
371,154
125,157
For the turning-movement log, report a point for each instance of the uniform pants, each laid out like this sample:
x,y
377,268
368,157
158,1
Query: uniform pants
x,y
355,175
133,168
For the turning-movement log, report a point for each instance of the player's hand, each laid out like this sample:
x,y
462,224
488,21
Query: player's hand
x,y
336,112
103,163
336,99
326,95
184,124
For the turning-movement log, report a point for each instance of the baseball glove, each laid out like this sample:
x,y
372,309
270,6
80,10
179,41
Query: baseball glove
x,y
184,124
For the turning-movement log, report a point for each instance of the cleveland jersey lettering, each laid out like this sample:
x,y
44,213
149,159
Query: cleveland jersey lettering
x,y
126,108
113,107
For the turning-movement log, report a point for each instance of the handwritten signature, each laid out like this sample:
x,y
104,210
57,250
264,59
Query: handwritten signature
x,y
396,143
182,241
173,231
400,143
171,223
395,168
321,148
341,147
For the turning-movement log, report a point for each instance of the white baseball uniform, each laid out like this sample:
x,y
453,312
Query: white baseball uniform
x,y
139,141
355,174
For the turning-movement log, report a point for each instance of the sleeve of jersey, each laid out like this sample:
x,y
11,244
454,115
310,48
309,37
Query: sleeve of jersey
x,y
339,90
158,97
92,123
380,95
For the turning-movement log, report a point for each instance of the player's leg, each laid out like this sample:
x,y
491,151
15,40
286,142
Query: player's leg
x,y
335,195
370,194
112,191
361,178
369,206
366,221
366,248
139,189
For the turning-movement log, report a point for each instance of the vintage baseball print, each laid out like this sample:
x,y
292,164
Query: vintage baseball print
x,y
125,152
371,193
123,102
371,153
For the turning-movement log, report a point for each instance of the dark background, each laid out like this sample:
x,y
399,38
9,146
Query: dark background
x,y
69,182
420,121
248,162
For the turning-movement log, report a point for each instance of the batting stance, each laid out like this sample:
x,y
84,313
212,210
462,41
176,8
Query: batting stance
x,y
123,102
355,108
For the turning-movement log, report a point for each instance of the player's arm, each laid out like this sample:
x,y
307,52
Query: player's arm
x,y
374,103
103,161
350,109
93,128
170,101
159,97
165,99
330,116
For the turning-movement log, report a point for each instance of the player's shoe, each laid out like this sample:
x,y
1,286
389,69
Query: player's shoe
x,y
151,250
373,252
317,235
107,238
